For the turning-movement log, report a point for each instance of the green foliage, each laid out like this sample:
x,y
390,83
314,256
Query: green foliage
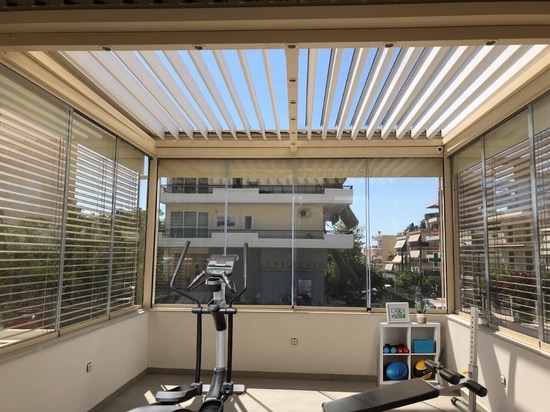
x,y
348,287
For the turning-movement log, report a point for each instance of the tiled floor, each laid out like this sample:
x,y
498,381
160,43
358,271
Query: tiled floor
x,y
264,395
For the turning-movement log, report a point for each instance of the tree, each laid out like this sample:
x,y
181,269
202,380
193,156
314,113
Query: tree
x,y
346,283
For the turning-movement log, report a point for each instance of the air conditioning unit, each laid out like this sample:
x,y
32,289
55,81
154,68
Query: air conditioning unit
x,y
305,213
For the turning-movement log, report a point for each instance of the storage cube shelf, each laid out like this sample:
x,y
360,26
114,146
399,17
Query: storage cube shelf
x,y
421,340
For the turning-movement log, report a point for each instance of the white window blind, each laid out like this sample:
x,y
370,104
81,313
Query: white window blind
x,y
471,236
32,150
504,226
71,218
511,234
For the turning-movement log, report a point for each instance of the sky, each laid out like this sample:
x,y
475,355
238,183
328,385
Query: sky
x,y
394,202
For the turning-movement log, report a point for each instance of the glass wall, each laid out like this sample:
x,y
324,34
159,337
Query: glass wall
x,y
501,200
321,232
72,213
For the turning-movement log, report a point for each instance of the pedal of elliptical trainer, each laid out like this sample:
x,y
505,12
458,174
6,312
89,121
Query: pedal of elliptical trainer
x,y
236,388
178,394
239,389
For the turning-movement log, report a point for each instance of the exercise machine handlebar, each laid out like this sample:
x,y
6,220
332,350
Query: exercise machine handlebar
x,y
245,271
175,274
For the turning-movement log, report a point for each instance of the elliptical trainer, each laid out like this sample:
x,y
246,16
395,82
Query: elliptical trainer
x,y
216,278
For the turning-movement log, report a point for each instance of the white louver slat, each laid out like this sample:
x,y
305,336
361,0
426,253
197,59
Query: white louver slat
x,y
190,82
529,54
426,64
136,88
189,114
376,77
210,83
453,87
271,88
354,77
233,92
110,83
252,91
397,77
454,58
330,89
151,84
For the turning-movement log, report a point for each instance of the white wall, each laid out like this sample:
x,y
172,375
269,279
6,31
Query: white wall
x,y
526,369
328,343
52,377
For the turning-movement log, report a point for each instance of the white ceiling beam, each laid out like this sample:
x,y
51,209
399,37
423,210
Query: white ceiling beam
x,y
450,23
291,54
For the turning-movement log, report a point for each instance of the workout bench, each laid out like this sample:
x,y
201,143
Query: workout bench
x,y
405,392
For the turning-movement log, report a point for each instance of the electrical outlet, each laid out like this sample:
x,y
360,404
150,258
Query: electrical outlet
x,y
88,367
503,379
293,341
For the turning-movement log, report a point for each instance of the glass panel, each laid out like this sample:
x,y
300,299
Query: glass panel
x,y
468,201
497,238
89,221
510,224
129,227
307,245
80,195
542,161
33,139
404,216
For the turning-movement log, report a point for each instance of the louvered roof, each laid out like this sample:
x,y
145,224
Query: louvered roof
x,y
332,93
214,74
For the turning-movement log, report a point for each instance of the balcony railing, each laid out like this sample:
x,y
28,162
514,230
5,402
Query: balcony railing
x,y
306,189
194,233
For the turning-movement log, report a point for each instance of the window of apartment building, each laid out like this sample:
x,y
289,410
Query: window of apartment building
x,y
314,224
501,197
230,221
71,216
247,222
188,224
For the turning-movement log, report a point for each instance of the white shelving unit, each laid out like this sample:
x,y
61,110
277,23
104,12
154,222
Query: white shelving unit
x,y
406,333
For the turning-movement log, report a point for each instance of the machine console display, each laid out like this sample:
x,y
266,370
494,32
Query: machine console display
x,y
221,264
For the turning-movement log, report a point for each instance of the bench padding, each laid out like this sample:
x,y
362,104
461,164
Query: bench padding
x,y
385,397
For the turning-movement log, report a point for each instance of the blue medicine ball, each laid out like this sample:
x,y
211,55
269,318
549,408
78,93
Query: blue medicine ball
x,y
396,370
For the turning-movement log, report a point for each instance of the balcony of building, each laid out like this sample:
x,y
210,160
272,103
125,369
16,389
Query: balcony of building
x,y
207,237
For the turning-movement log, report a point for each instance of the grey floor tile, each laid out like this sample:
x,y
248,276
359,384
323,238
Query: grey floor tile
x,y
264,395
